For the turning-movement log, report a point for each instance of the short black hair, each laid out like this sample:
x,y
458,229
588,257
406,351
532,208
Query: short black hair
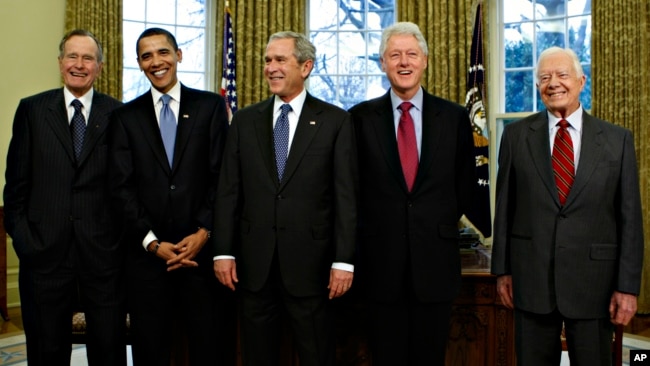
x,y
154,32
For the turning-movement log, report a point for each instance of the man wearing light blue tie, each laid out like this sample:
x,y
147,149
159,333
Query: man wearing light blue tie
x,y
166,150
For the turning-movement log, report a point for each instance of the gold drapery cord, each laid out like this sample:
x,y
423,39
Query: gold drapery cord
x,y
621,90
104,20
269,16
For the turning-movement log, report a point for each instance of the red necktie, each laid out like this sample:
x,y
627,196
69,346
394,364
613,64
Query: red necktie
x,y
563,166
407,145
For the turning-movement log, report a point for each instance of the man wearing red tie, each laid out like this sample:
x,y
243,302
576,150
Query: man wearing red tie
x,y
568,236
416,175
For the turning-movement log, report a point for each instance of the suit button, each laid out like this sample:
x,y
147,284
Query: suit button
x,y
279,197
172,187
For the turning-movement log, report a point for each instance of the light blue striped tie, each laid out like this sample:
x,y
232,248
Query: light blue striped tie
x,y
281,139
168,127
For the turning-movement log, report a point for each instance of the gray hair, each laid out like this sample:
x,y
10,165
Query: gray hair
x,y
83,33
403,28
556,50
304,50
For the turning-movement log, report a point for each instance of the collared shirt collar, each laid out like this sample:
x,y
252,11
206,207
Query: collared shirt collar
x,y
296,103
174,92
417,99
574,119
85,99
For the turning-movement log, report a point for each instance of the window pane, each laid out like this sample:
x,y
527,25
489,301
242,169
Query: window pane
x,y
326,52
135,83
580,37
161,11
347,69
131,32
549,34
519,91
577,7
323,14
585,96
518,49
133,9
192,79
192,43
551,8
191,12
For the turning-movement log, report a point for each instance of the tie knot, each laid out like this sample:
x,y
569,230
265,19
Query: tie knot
x,y
286,108
563,123
405,106
76,104
165,99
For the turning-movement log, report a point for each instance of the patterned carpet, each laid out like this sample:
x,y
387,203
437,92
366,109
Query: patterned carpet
x,y
12,352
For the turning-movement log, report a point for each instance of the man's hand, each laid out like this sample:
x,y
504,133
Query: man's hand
x,y
187,249
226,272
340,282
622,308
504,288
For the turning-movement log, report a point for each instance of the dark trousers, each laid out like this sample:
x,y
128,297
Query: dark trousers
x,y
184,314
263,315
409,332
47,303
538,343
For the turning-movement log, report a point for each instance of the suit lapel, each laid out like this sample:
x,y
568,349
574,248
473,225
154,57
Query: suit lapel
x,y
264,132
540,152
308,126
57,119
431,132
590,155
387,139
146,118
97,122
187,115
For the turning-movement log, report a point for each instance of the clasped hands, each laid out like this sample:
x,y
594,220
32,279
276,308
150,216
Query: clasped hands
x,y
182,253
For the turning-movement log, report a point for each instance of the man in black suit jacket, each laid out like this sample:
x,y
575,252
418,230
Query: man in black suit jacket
x,y
167,210
576,262
285,239
57,213
410,268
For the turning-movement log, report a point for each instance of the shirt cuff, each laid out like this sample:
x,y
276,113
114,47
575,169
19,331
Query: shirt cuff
x,y
343,266
217,257
148,239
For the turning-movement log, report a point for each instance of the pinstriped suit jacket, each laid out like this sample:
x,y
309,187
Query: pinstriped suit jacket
x,y
50,199
575,256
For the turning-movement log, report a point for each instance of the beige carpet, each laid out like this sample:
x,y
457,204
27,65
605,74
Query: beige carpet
x,y
12,352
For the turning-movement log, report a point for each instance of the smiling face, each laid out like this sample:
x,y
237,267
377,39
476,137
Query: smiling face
x,y
158,60
559,84
285,75
79,64
403,62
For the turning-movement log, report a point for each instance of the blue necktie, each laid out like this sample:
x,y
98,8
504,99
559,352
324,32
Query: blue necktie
x,y
281,139
168,127
78,127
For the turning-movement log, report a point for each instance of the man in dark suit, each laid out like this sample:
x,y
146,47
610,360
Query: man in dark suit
x,y
567,253
285,233
57,213
166,200
416,173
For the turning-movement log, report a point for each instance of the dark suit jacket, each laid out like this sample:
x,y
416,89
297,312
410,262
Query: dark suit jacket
x,y
413,237
175,202
575,256
309,218
50,199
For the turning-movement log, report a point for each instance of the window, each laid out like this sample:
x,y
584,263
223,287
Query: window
x,y
529,27
347,34
188,20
